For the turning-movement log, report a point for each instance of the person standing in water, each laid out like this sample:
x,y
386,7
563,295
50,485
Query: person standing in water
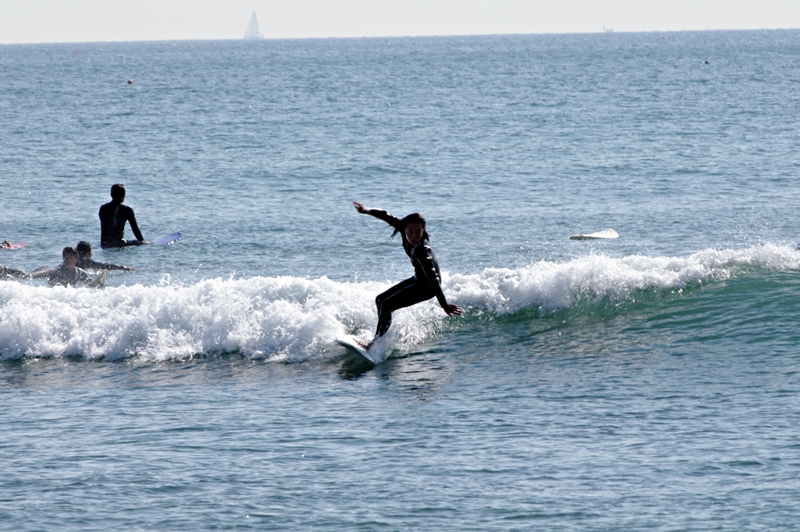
x,y
113,216
427,279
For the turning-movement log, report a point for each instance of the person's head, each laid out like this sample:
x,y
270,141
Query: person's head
x,y
84,249
412,226
70,256
118,192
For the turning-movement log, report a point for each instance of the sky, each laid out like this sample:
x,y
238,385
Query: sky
x,y
40,21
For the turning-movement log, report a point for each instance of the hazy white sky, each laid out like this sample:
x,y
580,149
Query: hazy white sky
x,y
33,21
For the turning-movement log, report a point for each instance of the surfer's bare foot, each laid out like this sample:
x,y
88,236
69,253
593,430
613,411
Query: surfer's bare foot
x,y
366,345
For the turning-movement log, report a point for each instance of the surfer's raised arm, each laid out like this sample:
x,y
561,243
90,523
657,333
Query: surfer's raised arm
x,y
377,213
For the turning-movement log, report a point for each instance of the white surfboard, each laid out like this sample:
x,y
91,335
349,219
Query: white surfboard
x,y
167,240
356,345
604,234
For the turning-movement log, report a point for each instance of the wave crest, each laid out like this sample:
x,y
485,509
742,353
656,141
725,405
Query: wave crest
x,y
295,319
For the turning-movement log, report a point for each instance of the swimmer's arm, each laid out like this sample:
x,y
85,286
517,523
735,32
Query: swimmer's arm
x,y
108,266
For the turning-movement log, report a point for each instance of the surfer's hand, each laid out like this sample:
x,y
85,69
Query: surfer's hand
x,y
359,206
453,310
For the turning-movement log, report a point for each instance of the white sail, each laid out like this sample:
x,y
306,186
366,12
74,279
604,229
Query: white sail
x,y
252,29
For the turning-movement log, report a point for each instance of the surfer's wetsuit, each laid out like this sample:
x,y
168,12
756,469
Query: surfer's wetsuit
x,y
113,216
68,277
423,286
89,264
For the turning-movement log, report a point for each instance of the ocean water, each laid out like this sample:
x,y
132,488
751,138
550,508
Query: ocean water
x,y
647,382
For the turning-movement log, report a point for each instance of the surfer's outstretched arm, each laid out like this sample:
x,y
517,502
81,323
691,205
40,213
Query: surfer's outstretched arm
x,y
12,273
377,213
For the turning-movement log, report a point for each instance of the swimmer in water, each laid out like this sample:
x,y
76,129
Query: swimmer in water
x,y
113,216
67,274
427,279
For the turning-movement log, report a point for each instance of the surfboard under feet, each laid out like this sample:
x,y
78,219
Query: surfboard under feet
x,y
356,345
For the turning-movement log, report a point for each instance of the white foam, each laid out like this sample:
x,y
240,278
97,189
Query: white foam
x,y
551,286
294,319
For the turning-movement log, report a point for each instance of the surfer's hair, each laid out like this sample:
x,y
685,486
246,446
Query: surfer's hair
x,y
69,250
413,218
84,247
117,191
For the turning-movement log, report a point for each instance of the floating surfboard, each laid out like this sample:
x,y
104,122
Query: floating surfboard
x,y
604,234
9,245
356,345
167,239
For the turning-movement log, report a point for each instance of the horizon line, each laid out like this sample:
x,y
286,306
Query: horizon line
x,y
605,31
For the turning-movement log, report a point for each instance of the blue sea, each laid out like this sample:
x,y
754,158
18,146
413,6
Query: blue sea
x,y
649,382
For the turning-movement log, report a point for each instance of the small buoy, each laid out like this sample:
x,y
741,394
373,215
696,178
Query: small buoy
x,y
130,82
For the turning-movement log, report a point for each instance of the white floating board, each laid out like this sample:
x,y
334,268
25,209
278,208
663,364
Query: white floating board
x,y
604,234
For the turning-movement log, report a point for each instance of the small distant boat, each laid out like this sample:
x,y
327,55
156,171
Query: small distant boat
x,y
252,29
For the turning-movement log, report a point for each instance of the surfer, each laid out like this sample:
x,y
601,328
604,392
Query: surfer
x,y
426,282
113,216
67,274
85,261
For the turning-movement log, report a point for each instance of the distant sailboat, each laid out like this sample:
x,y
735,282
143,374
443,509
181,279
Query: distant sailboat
x,y
252,29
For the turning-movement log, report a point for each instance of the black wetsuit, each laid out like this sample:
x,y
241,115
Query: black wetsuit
x,y
89,264
423,286
65,277
113,216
